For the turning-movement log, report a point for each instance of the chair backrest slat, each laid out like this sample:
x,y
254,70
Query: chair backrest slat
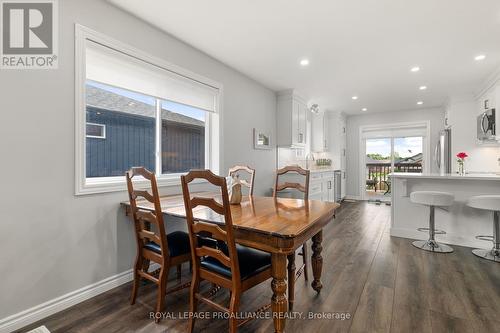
x,y
147,216
208,202
214,253
199,229
304,188
144,219
145,194
149,236
212,229
248,183
286,185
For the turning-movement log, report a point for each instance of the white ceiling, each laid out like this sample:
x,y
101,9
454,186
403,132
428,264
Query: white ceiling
x,y
355,47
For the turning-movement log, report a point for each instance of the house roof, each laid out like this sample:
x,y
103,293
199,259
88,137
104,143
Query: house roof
x,y
412,159
103,99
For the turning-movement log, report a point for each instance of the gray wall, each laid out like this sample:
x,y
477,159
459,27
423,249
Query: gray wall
x,y
53,242
436,117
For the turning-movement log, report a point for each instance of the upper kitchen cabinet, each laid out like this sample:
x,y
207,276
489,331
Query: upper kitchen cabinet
x,y
291,120
319,132
336,124
488,99
447,115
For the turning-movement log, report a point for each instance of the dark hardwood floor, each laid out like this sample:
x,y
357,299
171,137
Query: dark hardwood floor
x,y
383,283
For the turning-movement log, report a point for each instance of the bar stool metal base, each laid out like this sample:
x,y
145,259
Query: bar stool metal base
x,y
432,246
487,254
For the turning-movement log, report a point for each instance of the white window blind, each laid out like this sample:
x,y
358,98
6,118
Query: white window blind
x,y
109,66
394,132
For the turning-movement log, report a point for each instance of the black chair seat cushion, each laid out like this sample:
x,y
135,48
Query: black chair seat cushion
x,y
178,244
207,241
251,262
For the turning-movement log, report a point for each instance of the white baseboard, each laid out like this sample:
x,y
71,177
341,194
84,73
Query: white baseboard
x,y
446,239
353,197
38,312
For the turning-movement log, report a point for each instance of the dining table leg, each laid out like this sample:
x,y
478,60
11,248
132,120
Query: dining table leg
x,y
317,261
279,303
291,280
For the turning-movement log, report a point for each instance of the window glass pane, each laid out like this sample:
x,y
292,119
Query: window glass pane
x,y
378,166
408,155
182,137
129,122
96,131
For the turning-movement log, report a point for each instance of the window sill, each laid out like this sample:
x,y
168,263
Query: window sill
x,y
119,184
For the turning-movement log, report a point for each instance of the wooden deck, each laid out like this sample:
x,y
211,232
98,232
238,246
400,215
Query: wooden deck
x,y
384,283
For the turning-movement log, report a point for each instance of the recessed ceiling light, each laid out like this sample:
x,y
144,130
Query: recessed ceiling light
x,y
480,57
420,102
422,87
415,69
354,97
304,62
364,109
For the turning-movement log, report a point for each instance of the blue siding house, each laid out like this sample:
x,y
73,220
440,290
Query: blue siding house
x,y
121,134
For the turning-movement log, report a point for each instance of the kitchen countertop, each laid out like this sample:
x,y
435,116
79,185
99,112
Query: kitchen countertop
x,y
322,169
454,176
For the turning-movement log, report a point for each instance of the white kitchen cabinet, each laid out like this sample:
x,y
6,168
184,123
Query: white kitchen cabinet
x,y
343,142
321,186
329,188
319,132
291,120
337,138
447,115
316,191
343,184
487,101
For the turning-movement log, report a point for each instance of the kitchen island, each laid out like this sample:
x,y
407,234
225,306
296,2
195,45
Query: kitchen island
x,y
461,222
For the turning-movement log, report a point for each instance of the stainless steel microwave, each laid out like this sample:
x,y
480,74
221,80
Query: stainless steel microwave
x,y
486,127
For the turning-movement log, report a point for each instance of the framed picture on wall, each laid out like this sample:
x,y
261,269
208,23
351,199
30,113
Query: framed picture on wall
x,y
261,139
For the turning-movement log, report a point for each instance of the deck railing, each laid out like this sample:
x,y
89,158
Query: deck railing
x,y
378,173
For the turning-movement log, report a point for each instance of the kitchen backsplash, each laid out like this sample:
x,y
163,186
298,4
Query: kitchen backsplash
x,y
290,156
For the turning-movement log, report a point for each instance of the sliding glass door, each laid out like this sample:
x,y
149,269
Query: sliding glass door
x,y
378,167
408,154
387,155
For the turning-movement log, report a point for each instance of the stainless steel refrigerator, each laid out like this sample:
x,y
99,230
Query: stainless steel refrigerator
x,y
442,152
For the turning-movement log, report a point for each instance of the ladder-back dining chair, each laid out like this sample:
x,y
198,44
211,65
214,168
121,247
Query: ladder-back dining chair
x,y
304,188
231,266
237,169
153,244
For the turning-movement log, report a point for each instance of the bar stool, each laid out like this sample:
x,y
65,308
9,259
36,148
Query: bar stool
x,y
491,203
432,199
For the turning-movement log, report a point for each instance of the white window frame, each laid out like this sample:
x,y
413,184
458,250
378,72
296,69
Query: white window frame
x,y
213,124
389,127
103,136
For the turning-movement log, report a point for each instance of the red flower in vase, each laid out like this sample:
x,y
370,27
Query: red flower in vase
x,y
462,155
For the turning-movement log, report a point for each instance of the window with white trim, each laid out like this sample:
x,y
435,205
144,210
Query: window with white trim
x,y
139,111
96,131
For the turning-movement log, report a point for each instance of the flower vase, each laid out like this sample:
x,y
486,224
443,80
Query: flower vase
x,y
461,170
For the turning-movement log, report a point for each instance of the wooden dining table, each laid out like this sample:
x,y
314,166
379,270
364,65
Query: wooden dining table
x,y
275,225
